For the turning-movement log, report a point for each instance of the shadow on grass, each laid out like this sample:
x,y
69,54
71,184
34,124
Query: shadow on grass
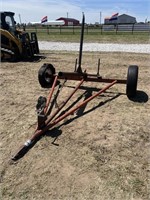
x,y
56,132
141,97
80,112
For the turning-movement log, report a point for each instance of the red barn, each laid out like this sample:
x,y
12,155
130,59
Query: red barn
x,y
69,21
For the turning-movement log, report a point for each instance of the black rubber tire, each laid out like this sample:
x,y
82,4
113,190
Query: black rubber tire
x,y
132,79
45,75
16,57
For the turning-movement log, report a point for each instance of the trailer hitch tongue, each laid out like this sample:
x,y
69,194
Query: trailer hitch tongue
x,y
23,150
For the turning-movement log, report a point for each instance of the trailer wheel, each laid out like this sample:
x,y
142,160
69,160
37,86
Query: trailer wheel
x,y
45,75
132,78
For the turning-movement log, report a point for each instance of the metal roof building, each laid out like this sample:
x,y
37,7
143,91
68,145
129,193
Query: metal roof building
x,y
122,19
69,21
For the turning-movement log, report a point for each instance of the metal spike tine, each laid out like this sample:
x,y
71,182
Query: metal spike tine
x,y
76,61
81,45
98,67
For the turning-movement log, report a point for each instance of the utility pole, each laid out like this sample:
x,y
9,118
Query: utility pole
x,y
20,19
100,17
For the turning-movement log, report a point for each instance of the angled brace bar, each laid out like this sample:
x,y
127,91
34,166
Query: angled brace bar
x,y
50,94
65,102
28,144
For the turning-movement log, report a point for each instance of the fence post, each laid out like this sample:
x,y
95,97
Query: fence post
x,y
35,29
60,29
101,26
87,29
132,28
116,28
47,29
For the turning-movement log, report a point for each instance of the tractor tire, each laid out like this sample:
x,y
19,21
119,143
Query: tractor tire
x,y
132,78
16,57
45,75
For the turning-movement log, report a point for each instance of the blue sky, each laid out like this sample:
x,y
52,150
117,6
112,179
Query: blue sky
x,y
34,10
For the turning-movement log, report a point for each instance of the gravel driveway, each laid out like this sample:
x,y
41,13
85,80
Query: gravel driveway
x,y
67,46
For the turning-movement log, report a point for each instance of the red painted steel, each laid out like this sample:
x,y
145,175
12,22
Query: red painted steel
x,y
50,94
88,77
53,123
78,75
64,103
48,125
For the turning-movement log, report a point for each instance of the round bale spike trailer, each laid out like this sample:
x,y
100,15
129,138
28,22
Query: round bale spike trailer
x,y
48,78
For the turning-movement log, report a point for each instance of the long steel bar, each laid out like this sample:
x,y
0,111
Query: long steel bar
x,y
50,94
39,133
53,123
50,118
79,69
87,77
79,105
64,103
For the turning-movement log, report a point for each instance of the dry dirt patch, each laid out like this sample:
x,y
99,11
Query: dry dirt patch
x,y
100,154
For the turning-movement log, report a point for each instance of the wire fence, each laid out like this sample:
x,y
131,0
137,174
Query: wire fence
x,y
99,29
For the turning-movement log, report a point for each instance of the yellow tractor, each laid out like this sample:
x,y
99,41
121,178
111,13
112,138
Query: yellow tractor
x,y
16,44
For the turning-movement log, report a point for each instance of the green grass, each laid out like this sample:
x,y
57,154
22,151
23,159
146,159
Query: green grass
x,y
91,35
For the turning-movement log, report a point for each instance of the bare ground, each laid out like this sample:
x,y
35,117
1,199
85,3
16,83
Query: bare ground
x,y
100,153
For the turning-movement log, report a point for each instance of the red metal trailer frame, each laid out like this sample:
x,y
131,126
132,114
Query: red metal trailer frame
x,y
48,77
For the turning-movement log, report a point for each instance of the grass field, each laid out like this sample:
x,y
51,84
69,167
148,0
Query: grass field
x,y
100,152
92,35
105,38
